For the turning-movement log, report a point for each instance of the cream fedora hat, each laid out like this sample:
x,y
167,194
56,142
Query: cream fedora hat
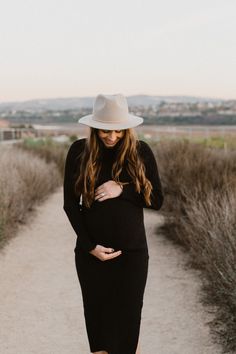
x,y
111,112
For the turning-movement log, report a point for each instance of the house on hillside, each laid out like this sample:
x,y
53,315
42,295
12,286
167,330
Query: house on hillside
x,y
4,123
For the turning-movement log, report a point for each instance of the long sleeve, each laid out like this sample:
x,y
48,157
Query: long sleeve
x,y
152,173
72,205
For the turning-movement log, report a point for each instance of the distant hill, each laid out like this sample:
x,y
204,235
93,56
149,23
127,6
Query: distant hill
x,y
74,103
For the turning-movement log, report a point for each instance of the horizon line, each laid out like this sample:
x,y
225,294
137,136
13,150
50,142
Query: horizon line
x,y
127,96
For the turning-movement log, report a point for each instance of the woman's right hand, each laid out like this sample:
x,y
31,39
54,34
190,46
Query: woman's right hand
x,y
104,253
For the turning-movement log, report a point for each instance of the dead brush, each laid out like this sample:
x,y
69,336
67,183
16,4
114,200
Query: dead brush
x,y
200,214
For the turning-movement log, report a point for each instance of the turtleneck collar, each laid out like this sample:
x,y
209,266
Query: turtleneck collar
x,y
109,151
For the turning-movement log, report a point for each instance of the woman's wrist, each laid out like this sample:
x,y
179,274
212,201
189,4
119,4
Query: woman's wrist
x,y
121,186
94,246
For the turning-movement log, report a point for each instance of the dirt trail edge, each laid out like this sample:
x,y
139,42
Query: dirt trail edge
x,y
41,305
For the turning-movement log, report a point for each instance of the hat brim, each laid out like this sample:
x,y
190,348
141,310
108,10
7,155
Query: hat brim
x,y
131,122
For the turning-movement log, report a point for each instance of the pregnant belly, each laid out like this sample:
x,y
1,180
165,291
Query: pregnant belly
x,y
115,223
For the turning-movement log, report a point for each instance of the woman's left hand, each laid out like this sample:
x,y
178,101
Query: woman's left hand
x,y
111,189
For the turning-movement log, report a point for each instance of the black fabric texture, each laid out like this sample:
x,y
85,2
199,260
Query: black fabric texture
x,y
112,290
115,222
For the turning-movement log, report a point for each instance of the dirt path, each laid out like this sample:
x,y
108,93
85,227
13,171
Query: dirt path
x,y
41,304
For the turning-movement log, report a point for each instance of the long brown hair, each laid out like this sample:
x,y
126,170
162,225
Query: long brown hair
x,y
90,165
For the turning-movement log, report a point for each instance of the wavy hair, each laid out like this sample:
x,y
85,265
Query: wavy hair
x,y
90,165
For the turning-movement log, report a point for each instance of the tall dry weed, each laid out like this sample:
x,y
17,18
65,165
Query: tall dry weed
x,y
47,149
200,209
24,181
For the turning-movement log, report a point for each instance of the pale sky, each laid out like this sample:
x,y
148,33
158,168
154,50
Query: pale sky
x,y
70,48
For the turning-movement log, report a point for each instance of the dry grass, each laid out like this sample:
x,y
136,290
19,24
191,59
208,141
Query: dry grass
x,y
200,204
24,181
47,149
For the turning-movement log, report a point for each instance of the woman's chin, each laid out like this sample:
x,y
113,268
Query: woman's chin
x,y
110,145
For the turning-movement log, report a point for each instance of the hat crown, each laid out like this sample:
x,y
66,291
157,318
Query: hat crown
x,y
111,112
110,108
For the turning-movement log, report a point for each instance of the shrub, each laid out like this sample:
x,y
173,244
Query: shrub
x,y
47,149
200,202
24,181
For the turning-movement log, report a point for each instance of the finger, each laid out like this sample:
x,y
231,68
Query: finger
x,y
103,249
112,255
99,197
98,193
99,189
108,250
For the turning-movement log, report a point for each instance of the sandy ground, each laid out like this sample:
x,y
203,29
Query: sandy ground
x,y
41,305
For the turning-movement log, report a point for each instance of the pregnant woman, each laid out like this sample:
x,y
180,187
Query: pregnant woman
x,y
110,176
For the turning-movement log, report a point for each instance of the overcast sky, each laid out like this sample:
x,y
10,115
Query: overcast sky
x,y
68,48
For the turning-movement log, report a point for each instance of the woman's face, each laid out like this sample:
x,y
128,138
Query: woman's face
x,y
110,137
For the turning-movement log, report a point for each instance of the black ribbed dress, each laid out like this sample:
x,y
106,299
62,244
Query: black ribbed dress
x,y
112,290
